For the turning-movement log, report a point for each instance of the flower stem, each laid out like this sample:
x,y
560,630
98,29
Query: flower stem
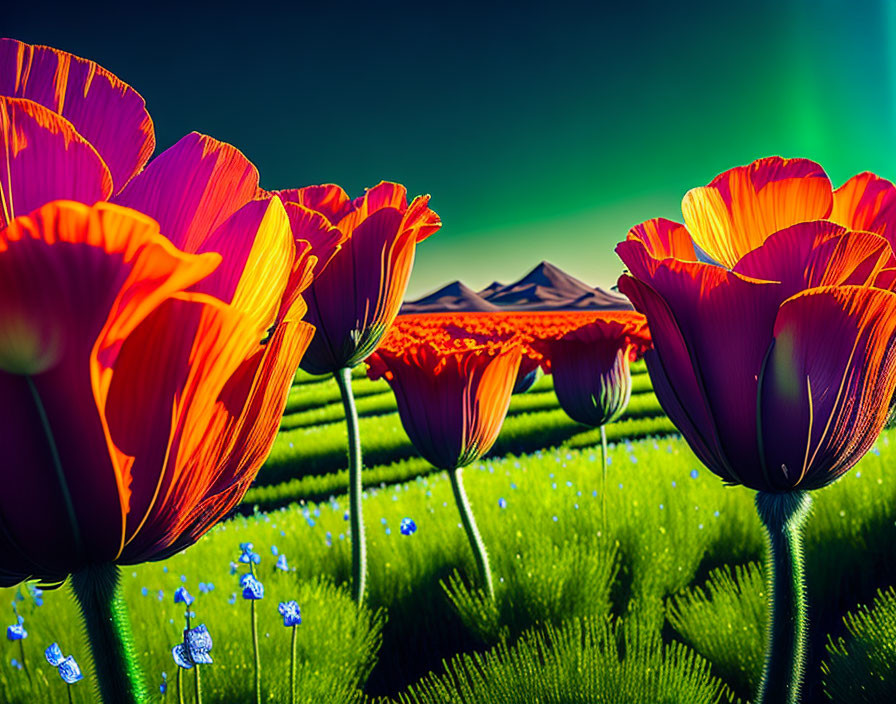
x,y
98,592
257,654
180,686
469,523
292,667
603,461
68,688
24,664
198,684
784,516
355,487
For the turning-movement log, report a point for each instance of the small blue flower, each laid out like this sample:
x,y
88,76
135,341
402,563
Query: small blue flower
x,y
182,656
234,568
199,642
37,594
281,563
163,687
69,670
16,664
232,599
246,547
182,596
252,588
16,632
408,526
274,550
502,502
54,655
250,557
292,615
694,474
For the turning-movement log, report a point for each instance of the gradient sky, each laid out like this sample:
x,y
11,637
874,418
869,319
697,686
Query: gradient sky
x,y
542,130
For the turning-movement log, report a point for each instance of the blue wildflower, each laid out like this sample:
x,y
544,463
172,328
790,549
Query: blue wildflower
x,y
694,474
408,526
502,502
292,615
54,655
163,687
69,670
195,648
15,663
274,550
182,596
281,563
16,632
252,588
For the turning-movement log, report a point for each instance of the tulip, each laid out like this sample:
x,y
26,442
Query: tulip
x,y
452,400
146,344
367,245
774,364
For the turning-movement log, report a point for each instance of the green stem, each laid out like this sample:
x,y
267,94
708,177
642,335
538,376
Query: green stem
x,y
198,685
784,516
68,688
603,461
469,523
24,664
257,654
355,487
180,685
98,592
292,666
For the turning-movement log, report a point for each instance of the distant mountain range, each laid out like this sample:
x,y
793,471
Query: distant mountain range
x,y
546,287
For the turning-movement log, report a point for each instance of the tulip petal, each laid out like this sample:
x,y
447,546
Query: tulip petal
x,y
192,188
106,111
177,362
867,202
328,199
420,218
742,206
814,254
257,396
258,251
664,238
44,159
383,195
74,283
826,389
724,326
311,226
358,295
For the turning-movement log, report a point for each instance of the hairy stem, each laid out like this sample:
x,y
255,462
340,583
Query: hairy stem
x,y
784,517
98,592
355,487
603,462
469,523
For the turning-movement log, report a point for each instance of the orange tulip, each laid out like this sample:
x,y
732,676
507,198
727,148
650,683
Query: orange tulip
x,y
452,399
591,365
370,242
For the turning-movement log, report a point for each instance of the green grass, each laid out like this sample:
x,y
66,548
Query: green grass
x,y
674,570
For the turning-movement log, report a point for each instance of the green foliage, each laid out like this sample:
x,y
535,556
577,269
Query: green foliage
x,y
584,660
725,622
862,667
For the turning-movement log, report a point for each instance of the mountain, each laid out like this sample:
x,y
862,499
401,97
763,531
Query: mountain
x,y
546,287
452,297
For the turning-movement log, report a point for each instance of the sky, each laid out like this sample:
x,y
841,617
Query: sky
x,y
543,131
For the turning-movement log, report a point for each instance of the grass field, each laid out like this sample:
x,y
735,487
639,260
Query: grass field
x,y
663,603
